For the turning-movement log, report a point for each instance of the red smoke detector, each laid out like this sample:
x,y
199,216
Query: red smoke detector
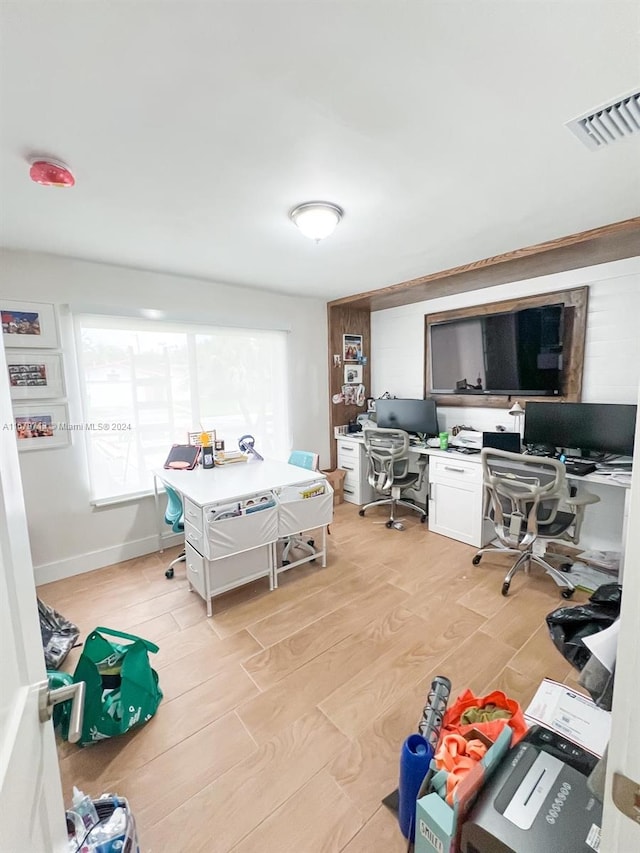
x,y
51,174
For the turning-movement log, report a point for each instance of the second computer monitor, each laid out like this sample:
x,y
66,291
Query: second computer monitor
x,y
417,416
597,427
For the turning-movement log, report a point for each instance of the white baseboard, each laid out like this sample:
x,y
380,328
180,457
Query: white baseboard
x,y
48,572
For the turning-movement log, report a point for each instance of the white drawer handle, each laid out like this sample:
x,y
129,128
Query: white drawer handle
x,y
192,514
348,491
348,467
191,569
457,470
347,449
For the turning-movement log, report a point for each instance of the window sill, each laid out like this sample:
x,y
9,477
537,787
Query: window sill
x,y
99,503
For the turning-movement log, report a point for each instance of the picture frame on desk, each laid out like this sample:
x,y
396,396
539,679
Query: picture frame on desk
x,y
29,325
35,375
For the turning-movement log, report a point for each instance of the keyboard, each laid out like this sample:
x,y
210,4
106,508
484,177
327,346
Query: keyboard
x,y
580,469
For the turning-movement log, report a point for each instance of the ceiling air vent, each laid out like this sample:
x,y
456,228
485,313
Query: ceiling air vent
x,y
608,123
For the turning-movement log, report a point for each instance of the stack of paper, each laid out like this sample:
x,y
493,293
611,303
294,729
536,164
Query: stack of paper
x,y
224,457
572,715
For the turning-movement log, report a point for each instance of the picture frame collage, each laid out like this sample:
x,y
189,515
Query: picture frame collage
x,y
352,362
36,374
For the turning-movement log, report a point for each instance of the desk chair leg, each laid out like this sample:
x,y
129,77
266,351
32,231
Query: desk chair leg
x,y
179,559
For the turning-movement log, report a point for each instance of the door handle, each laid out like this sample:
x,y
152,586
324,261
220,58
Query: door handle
x,y
626,794
47,699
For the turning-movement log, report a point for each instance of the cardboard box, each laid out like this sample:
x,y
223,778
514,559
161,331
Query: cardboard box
x,y
438,825
336,478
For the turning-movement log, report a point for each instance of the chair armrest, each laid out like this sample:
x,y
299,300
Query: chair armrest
x,y
583,499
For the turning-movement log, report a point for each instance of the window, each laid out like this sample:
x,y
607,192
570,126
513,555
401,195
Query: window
x,y
145,384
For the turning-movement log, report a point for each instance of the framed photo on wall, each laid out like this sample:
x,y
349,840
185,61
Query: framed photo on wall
x,y
352,374
351,347
35,375
29,324
41,426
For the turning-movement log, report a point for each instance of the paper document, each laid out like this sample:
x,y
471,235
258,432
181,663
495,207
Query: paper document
x,y
604,645
571,715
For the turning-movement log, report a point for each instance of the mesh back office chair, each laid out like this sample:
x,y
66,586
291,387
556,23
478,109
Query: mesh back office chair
x,y
388,471
309,460
174,517
525,493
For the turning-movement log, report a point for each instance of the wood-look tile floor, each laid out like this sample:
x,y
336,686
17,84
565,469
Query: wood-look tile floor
x,y
283,715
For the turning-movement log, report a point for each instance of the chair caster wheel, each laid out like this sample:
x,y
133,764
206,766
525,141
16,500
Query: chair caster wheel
x,y
423,519
311,542
286,562
389,524
312,561
565,567
361,512
567,593
476,561
168,574
505,587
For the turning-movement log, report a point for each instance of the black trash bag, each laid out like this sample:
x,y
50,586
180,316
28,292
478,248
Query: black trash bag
x,y
59,635
569,625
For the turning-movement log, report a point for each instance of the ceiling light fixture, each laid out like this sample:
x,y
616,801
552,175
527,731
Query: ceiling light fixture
x,y
316,219
50,173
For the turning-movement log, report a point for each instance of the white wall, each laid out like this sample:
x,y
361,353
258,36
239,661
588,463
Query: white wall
x,y
68,535
611,366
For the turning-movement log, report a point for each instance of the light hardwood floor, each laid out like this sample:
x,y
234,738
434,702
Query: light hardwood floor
x,y
283,715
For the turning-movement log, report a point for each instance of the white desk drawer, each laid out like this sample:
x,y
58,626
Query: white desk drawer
x,y
195,570
350,463
237,569
351,480
454,469
193,514
194,537
348,449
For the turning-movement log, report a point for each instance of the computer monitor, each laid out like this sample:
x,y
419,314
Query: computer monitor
x,y
590,427
417,416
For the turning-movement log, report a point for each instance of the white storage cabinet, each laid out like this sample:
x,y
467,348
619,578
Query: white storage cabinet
x,y
456,497
228,545
352,458
302,508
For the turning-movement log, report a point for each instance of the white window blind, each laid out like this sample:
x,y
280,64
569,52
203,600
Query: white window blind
x,y
146,384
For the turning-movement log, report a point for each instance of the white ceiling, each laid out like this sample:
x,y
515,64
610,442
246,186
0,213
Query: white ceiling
x,y
193,128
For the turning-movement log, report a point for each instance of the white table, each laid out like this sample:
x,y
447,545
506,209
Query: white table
x,y
223,553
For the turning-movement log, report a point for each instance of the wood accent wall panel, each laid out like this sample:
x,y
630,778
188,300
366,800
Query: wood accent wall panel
x,y
345,320
596,246
575,319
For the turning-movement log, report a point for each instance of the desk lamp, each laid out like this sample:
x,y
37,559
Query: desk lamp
x,y
517,412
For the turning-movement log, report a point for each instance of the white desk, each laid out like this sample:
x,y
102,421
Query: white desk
x,y
456,495
222,554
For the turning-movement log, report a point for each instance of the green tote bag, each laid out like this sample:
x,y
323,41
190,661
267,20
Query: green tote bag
x,y
122,689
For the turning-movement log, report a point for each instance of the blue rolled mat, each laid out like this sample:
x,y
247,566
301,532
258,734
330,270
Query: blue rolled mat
x,y
415,756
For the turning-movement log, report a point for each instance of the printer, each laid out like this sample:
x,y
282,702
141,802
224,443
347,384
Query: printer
x,y
537,800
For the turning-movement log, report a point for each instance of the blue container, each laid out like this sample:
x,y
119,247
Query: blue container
x,y
415,757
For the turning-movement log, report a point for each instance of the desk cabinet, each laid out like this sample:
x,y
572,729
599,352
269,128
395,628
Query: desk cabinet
x,y
456,496
353,459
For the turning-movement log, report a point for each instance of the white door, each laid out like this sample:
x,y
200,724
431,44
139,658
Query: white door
x,y
31,806
620,834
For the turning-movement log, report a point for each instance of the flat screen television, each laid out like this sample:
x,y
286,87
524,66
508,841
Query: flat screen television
x,y
511,352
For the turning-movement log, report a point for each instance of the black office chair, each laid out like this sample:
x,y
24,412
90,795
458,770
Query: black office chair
x,y
388,471
525,493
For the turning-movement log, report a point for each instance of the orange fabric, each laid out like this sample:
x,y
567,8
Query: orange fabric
x,y
457,756
451,721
